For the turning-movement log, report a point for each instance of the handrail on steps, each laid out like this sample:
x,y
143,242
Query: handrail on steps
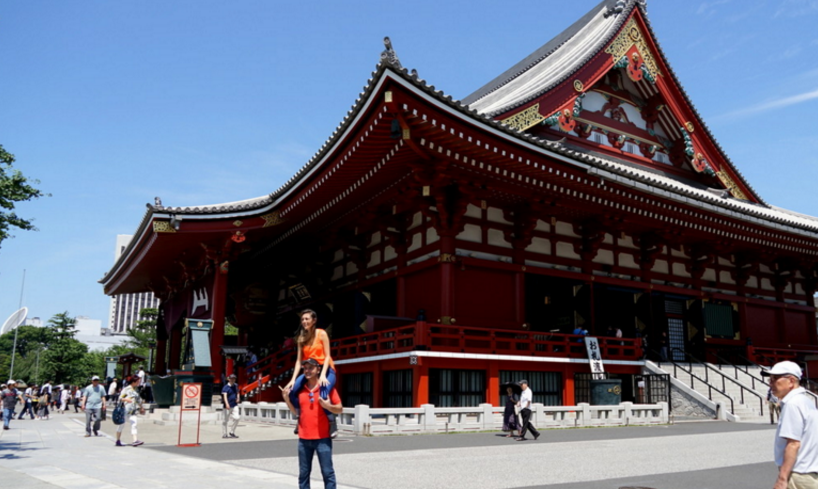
x,y
689,371
709,367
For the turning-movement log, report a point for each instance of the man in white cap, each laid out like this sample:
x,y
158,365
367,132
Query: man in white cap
x,y
93,403
10,396
796,440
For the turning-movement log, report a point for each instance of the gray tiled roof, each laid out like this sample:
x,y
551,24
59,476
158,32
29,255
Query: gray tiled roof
x,y
554,62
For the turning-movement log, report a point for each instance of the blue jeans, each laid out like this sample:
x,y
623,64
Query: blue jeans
x,y
7,415
306,449
323,391
27,409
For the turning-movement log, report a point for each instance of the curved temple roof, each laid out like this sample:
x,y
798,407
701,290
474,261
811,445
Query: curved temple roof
x,y
553,62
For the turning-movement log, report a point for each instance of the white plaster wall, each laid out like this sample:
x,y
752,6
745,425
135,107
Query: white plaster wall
x,y
626,242
679,270
374,259
417,242
709,275
677,253
474,211
471,233
765,269
494,214
542,226
417,220
338,256
766,284
337,272
375,239
565,229
540,245
431,235
496,238
626,260
726,278
724,262
606,257
660,266
389,253
608,239
752,282
566,250
352,268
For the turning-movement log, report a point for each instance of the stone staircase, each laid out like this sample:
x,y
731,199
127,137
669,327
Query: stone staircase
x,y
735,383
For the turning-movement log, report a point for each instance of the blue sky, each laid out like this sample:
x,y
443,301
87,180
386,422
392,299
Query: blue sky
x,y
109,104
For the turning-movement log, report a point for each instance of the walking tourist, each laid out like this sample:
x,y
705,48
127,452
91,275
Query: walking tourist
x,y
313,425
28,407
133,406
65,395
510,420
93,403
313,343
796,440
231,399
526,399
11,396
77,398
112,388
45,400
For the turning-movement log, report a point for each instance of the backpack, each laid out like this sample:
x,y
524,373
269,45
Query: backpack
x,y
118,416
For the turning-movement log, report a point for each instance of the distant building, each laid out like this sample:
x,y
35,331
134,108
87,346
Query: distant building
x,y
125,307
33,322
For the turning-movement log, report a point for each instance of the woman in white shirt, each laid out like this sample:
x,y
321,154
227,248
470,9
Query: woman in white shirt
x,y
133,406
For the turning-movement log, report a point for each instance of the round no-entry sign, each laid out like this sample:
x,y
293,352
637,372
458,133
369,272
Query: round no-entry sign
x,y
191,391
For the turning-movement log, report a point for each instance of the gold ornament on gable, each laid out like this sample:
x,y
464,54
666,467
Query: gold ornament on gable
x,y
730,185
630,36
525,119
272,219
163,227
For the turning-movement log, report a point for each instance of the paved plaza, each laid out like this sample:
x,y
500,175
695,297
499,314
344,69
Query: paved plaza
x,y
703,455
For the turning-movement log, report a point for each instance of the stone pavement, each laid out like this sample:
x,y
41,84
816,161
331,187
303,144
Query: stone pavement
x,y
703,455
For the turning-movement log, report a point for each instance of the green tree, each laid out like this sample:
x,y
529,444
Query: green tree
x,y
64,359
143,333
30,341
14,187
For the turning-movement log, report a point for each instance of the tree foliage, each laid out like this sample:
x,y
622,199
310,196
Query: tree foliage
x,y
14,187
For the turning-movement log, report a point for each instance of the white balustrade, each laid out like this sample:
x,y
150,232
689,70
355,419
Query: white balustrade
x,y
364,420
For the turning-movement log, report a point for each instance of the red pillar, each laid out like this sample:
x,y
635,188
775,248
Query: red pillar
x,y
493,387
420,381
217,334
377,386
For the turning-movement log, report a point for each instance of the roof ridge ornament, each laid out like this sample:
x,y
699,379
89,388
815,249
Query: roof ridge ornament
x,y
389,56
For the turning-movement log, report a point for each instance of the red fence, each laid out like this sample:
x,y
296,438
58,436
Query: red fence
x,y
276,369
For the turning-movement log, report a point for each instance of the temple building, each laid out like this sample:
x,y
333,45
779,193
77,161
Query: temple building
x,y
449,245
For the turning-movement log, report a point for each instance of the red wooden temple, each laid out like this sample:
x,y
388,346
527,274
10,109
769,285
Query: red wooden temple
x,y
452,245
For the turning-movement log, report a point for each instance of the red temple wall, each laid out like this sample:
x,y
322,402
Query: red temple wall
x,y
798,327
423,292
485,298
761,324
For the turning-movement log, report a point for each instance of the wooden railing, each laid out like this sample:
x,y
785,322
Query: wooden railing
x,y
770,356
276,369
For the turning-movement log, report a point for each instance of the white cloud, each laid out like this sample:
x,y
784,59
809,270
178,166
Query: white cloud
x,y
771,105
796,8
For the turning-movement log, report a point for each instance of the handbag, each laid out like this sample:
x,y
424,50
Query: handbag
x,y
118,416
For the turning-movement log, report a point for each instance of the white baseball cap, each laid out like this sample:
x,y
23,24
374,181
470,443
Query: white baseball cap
x,y
12,381
784,368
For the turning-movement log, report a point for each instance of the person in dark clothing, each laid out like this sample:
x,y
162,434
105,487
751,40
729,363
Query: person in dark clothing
x,y
510,421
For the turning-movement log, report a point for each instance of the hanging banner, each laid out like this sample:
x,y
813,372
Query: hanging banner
x,y
594,357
